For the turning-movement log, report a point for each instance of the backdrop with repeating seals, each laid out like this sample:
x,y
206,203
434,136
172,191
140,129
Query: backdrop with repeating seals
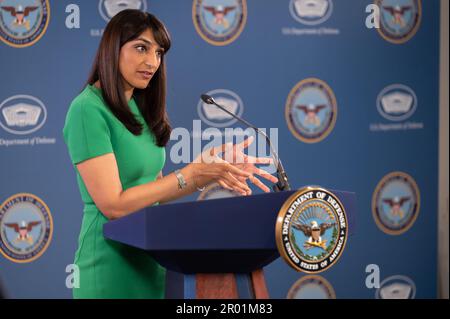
x,y
258,67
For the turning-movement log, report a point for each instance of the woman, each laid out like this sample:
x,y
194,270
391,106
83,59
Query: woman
x,y
116,130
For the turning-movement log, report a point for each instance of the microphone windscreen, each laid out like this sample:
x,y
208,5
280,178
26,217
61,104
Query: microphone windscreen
x,y
207,99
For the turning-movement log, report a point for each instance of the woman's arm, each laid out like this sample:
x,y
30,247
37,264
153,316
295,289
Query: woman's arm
x,y
198,182
101,177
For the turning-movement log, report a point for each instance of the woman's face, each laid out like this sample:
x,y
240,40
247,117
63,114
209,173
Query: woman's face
x,y
139,60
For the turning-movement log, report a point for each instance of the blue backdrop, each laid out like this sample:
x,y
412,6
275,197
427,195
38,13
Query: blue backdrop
x,y
272,49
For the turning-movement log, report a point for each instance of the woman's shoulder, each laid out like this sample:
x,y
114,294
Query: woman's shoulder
x,y
88,102
88,108
87,128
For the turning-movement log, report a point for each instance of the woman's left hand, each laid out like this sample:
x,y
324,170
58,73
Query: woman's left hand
x,y
234,155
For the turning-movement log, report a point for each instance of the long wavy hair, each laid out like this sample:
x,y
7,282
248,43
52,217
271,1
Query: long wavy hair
x,y
126,26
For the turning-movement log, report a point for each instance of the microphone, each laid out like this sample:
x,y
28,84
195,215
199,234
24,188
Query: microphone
x,y
282,183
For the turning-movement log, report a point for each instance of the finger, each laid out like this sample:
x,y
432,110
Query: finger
x,y
232,181
226,150
221,161
236,171
224,185
228,180
242,185
208,156
244,181
233,169
259,184
229,154
220,149
245,143
258,160
265,175
238,155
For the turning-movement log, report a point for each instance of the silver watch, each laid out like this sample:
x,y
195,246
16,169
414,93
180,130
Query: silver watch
x,y
181,181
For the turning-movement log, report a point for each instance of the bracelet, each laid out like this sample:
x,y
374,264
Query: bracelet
x,y
181,181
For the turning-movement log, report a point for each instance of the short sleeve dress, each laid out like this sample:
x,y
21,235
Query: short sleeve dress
x,y
109,269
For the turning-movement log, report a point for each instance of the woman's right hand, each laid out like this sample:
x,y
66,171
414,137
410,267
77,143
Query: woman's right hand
x,y
209,168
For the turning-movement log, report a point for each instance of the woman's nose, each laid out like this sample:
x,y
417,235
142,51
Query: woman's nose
x,y
152,60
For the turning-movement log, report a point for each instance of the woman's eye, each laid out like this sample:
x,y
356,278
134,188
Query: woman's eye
x,y
141,48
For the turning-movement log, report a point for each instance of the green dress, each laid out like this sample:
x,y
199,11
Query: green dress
x,y
109,269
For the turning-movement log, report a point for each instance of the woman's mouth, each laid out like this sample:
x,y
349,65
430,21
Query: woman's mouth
x,y
146,74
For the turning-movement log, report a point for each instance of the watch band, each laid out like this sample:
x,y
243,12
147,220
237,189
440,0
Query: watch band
x,y
181,181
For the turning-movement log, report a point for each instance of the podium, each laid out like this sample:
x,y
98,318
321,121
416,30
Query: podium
x,y
214,248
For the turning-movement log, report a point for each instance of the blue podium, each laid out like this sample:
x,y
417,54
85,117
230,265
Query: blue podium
x,y
213,248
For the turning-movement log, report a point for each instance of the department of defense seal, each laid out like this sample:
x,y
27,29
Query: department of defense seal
x,y
311,230
219,22
399,19
23,23
26,227
311,110
396,203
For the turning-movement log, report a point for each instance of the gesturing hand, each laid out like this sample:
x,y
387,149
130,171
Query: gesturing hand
x,y
236,156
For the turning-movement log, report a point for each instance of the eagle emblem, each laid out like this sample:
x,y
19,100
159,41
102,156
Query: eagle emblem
x,y
220,12
311,112
20,15
396,204
23,230
397,13
314,232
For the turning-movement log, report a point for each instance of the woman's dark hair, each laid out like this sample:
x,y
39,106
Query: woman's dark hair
x,y
126,26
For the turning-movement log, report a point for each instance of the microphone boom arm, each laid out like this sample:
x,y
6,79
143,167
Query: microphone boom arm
x,y
282,183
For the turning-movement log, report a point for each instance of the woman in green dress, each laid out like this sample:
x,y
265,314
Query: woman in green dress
x,y
116,130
